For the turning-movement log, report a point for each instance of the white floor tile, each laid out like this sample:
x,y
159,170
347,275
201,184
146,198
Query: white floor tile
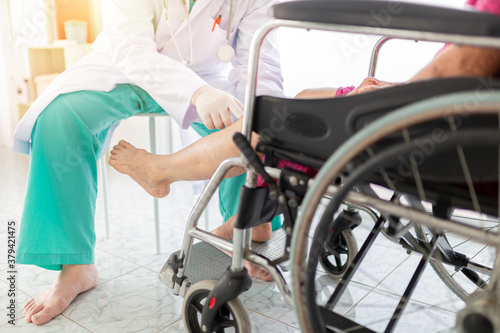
x,y
134,302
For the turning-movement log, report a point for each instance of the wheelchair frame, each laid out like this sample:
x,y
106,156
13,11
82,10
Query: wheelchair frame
x,y
240,248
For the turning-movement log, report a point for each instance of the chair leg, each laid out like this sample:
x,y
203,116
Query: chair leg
x,y
152,141
104,186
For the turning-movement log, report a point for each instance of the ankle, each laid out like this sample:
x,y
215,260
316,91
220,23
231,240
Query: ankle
x,y
262,233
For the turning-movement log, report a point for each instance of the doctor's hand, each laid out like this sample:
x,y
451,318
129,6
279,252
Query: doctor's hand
x,y
215,107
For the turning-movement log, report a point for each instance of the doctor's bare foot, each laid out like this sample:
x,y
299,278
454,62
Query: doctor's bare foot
x,y
72,280
145,168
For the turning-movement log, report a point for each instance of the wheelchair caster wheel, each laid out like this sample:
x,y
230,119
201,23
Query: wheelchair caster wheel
x,y
338,254
480,315
232,317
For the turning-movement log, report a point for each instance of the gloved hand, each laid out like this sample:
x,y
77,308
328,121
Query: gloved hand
x,y
215,107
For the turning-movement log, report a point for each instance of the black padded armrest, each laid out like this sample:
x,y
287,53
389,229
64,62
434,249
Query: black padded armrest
x,y
312,129
391,15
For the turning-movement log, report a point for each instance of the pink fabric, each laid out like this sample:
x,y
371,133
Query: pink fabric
x,y
289,165
342,91
489,6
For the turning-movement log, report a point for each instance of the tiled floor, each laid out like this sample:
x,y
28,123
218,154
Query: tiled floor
x,y
130,297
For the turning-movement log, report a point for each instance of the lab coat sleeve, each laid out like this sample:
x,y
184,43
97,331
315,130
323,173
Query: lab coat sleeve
x,y
130,31
270,80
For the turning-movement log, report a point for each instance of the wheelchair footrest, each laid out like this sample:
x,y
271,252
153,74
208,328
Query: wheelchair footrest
x,y
205,263
274,248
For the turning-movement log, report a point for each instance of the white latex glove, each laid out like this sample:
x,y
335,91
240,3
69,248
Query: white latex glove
x,y
215,107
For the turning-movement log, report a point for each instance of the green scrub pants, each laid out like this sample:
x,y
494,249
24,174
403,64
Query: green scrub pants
x,y
57,225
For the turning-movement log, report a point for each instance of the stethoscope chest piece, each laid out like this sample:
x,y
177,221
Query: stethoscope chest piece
x,y
225,53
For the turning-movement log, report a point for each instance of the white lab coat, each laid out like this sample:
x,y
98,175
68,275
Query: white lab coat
x,y
136,47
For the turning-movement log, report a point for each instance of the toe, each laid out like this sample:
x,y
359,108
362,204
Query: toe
x,y
28,309
28,304
116,149
125,144
45,315
32,312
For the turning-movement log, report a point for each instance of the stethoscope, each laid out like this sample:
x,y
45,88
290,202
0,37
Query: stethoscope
x,y
225,52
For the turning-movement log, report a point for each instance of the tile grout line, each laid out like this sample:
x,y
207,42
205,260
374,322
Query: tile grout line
x,y
411,299
130,261
170,325
77,323
373,288
275,320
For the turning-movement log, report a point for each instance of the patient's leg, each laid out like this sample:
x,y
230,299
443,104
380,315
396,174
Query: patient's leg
x,y
261,233
317,93
155,173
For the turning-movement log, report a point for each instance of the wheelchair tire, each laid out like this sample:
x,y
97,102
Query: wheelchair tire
x,y
232,316
336,260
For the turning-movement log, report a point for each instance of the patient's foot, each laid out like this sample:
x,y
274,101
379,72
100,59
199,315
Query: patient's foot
x,y
260,233
145,168
73,280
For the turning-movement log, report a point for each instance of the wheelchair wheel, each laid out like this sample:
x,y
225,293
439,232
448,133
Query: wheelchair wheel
x,y
338,254
376,160
232,317
463,281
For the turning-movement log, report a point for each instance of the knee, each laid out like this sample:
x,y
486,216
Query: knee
x,y
59,125
59,113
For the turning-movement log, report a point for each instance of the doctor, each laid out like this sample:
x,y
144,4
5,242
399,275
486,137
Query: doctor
x,y
154,56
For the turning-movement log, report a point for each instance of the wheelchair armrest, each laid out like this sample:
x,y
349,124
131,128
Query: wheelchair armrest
x,y
391,15
308,131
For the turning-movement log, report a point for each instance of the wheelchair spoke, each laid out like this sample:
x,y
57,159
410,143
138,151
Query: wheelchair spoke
x,y
416,174
225,323
465,168
197,306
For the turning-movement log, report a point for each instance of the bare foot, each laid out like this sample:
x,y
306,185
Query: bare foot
x,y
261,233
145,168
73,280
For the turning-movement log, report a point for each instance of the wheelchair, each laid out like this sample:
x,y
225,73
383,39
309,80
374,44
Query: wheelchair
x,y
421,160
